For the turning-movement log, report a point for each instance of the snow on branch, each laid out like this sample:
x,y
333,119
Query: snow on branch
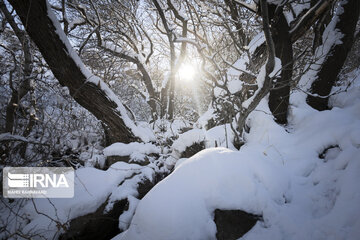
x,y
264,78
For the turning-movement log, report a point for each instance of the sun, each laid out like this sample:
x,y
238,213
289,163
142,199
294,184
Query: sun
x,y
187,72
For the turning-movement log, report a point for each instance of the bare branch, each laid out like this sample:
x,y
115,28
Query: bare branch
x,y
251,7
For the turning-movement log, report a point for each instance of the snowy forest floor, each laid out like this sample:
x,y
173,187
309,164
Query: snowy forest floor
x,y
302,179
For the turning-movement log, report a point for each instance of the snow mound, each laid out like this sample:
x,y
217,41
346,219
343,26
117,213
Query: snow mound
x,y
122,149
219,136
302,179
92,188
187,139
196,188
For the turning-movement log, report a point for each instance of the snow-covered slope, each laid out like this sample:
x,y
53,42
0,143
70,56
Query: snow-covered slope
x,y
303,179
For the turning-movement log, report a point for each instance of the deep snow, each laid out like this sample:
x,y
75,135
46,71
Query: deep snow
x,y
279,173
282,173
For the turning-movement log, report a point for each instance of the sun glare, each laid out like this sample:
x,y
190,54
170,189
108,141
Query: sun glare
x,y
187,72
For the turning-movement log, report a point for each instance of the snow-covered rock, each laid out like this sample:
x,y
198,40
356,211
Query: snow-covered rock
x,y
93,188
213,179
122,149
187,139
135,151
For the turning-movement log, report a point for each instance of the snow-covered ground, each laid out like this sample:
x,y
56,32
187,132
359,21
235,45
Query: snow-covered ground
x,y
42,217
303,179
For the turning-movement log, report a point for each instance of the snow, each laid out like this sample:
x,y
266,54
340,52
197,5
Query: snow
x,y
303,179
122,149
277,174
257,41
235,84
10,137
261,78
205,117
187,139
331,37
219,92
169,129
217,136
76,21
187,211
298,8
112,47
92,187
92,159
136,151
125,218
220,136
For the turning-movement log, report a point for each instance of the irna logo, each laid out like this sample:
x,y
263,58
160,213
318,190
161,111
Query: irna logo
x,y
18,180
38,182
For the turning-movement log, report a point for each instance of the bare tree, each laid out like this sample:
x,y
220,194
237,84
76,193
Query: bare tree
x,y
88,90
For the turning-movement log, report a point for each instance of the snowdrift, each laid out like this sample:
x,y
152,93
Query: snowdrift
x,y
303,179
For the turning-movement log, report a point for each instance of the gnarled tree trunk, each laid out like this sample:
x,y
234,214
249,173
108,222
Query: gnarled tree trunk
x,y
40,24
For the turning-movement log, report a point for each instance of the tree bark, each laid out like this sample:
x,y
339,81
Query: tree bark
x,y
236,19
48,38
336,57
284,37
309,18
279,94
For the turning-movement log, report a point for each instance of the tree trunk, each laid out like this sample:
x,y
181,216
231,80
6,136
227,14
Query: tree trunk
x,y
336,57
284,37
96,97
269,67
237,22
279,94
